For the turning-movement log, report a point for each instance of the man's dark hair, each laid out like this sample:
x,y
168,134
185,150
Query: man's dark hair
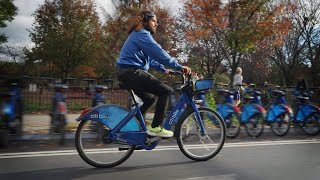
x,y
141,21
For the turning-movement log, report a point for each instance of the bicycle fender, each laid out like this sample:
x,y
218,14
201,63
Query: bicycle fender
x,y
249,110
305,111
277,110
7,109
110,115
225,110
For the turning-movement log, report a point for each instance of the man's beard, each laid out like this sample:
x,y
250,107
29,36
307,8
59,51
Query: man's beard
x,y
148,28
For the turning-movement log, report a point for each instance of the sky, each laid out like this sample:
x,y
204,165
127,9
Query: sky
x,y
17,33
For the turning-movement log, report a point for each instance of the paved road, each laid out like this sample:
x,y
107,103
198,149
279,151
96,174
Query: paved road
x,y
250,160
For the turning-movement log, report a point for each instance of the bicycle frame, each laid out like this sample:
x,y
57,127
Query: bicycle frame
x,y
227,107
304,108
128,130
9,101
278,107
9,105
59,100
253,107
305,111
99,97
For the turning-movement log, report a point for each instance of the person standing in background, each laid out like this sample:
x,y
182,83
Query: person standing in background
x,y
237,80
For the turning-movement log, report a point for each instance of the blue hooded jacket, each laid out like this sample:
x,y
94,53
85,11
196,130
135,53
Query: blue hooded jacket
x,y
141,51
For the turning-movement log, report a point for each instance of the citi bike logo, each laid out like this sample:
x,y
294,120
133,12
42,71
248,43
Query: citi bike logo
x,y
174,115
96,115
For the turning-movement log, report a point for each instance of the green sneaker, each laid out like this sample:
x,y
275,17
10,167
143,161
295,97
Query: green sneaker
x,y
158,131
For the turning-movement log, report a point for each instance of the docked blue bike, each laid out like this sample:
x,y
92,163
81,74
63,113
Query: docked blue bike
x,y
279,113
226,108
252,112
125,130
10,108
59,110
306,114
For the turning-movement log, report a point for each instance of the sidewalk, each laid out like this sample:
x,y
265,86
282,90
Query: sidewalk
x,y
39,124
36,126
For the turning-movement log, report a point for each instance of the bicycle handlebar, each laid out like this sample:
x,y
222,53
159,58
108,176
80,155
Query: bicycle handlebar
x,y
182,75
178,73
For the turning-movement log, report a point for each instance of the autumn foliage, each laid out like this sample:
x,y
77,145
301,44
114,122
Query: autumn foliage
x,y
239,26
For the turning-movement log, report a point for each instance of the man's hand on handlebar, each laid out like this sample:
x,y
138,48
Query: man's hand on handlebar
x,y
170,73
185,69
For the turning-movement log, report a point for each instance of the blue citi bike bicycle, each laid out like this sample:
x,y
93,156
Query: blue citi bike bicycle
x,y
228,110
11,107
252,112
125,130
279,112
306,114
225,107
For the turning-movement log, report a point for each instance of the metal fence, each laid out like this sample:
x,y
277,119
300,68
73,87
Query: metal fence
x,y
40,99
78,98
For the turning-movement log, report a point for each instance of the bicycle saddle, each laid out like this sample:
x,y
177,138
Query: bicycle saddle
x,y
248,98
223,90
302,97
232,91
278,93
6,94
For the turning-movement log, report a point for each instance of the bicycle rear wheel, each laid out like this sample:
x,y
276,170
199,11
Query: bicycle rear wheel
x,y
97,151
192,143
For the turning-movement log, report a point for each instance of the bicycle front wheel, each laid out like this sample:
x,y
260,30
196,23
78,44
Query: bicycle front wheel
x,y
255,125
192,142
97,151
311,125
232,125
281,125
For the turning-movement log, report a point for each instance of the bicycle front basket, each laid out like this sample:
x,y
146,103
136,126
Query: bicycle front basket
x,y
204,84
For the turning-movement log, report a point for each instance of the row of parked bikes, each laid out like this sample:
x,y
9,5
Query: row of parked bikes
x,y
251,114
199,130
277,114
11,106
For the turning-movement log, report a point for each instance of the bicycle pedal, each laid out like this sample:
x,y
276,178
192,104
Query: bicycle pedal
x,y
138,148
165,137
127,148
152,139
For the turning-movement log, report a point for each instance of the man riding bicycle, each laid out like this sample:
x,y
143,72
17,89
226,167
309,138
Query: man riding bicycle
x,y
139,53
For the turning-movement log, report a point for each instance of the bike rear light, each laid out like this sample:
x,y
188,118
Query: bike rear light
x,y
260,108
288,109
62,107
85,111
237,109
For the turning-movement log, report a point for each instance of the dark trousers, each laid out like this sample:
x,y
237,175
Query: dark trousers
x,y
146,87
